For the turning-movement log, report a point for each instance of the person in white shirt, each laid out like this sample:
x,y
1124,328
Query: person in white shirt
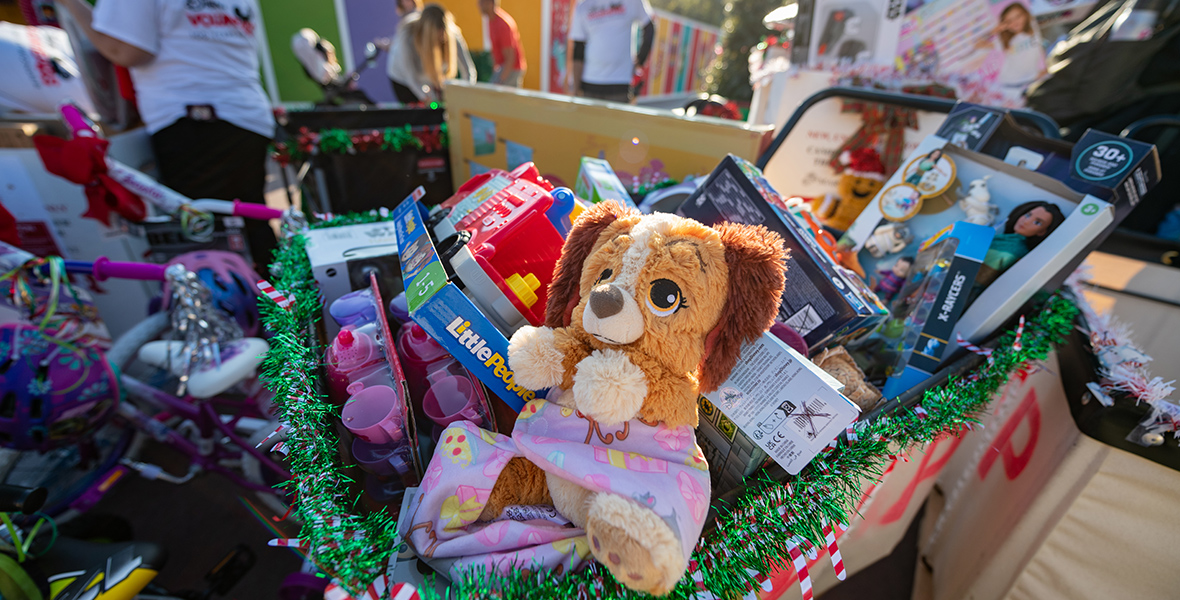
x,y
601,30
427,50
195,67
1024,58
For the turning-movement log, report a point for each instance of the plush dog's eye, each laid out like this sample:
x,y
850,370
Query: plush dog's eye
x,y
606,274
665,298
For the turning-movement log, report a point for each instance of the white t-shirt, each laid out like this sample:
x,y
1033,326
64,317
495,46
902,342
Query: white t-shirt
x,y
1023,61
606,27
206,53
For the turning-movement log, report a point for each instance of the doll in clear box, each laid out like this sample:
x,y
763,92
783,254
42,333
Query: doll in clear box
x,y
1027,226
893,278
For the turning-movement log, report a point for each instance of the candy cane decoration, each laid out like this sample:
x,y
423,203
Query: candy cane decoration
x,y
834,552
800,564
273,294
984,352
921,412
1019,334
403,591
851,432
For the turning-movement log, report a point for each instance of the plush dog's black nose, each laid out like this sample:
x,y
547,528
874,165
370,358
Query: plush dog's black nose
x,y
606,300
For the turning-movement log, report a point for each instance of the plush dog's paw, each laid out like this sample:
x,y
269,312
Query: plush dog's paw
x,y
533,356
608,387
638,547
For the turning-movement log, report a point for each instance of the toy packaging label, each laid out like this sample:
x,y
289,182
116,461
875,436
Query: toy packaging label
x,y
731,454
787,405
597,182
935,294
447,315
817,301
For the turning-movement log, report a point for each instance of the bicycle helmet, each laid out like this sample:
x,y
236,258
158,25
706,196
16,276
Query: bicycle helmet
x,y
231,281
52,392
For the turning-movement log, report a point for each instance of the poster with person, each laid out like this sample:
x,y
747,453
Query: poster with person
x,y
997,41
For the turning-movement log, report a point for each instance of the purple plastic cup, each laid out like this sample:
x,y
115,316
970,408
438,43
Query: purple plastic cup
x,y
452,399
399,309
374,414
383,460
353,308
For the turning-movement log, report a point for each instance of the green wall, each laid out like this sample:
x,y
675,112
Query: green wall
x,y
282,18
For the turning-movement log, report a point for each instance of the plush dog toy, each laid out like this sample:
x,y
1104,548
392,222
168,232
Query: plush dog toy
x,y
644,313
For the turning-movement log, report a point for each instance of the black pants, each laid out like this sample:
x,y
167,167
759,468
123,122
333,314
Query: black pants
x,y
620,92
217,160
404,94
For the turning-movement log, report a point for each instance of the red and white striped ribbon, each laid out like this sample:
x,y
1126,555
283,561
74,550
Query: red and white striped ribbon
x,y
921,412
281,448
272,434
273,294
376,591
851,431
287,543
834,551
800,564
1016,345
984,352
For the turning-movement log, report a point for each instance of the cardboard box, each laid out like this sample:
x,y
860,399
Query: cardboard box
x,y
342,258
446,314
597,182
935,294
784,403
493,127
818,301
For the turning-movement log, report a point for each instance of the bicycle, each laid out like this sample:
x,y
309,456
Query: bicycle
x,y
215,429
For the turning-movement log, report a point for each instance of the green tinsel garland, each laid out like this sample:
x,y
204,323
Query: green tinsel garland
x,y
751,534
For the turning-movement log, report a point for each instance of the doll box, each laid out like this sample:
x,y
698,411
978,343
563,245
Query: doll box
x,y
788,406
1115,169
818,301
1084,221
446,314
597,182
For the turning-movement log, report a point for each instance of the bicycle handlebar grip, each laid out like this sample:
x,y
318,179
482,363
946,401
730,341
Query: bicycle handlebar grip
x,y
80,125
256,211
105,268
14,498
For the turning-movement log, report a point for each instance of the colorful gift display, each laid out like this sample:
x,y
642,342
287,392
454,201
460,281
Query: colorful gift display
x,y
456,516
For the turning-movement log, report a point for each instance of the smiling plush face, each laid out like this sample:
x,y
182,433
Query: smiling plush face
x,y
859,189
652,283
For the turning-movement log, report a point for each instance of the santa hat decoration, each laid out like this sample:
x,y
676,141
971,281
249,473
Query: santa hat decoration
x,y
863,162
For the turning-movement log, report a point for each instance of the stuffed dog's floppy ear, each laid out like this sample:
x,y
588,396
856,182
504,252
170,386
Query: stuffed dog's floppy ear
x,y
755,258
567,274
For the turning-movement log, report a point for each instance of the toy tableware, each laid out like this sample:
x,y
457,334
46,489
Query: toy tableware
x,y
351,352
354,308
452,399
374,414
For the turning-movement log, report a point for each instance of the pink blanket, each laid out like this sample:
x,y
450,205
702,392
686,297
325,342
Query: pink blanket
x,y
656,466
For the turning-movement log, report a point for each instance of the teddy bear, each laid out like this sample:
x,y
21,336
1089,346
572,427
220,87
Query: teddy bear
x,y
862,177
644,314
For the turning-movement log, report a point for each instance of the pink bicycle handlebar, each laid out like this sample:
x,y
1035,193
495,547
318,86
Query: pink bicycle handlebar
x,y
80,125
256,211
105,268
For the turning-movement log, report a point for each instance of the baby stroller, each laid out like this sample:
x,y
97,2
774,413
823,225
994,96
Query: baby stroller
x,y
318,57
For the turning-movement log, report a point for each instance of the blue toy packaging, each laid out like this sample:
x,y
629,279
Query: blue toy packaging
x,y
932,299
